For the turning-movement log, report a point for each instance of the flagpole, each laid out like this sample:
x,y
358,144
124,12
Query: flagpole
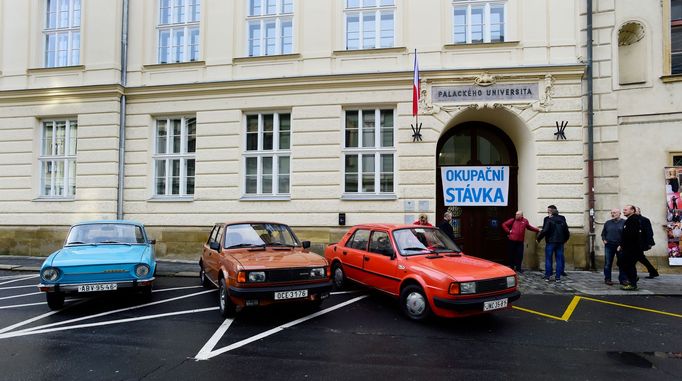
x,y
416,115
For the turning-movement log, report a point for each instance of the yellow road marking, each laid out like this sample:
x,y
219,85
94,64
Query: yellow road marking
x,y
634,307
567,314
536,313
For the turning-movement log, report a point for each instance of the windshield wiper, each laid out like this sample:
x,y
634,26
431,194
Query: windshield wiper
x,y
80,243
423,249
443,249
280,244
244,245
114,242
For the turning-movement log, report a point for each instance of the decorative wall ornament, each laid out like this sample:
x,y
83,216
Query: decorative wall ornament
x,y
560,130
484,80
630,33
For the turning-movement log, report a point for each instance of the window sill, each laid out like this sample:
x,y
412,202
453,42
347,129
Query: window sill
x,y
172,65
274,57
54,199
285,197
351,52
671,78
368,196
171,199
478,45
57,69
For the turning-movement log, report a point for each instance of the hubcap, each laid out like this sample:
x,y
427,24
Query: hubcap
x,y
415,303
202,275
222,297
338,276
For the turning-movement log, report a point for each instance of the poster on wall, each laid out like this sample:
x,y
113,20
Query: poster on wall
x,y
673,227
475,186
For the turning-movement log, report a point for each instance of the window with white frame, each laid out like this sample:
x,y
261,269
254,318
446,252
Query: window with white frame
x,y
370,24
267,156
58,159
62,33
179,30
270,27
369,151
174,156
476,21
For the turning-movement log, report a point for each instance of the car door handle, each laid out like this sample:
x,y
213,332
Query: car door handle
x,y
366,258
345,252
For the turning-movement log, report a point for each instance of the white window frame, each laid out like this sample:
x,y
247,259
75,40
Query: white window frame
x,y
486,19
377,150
279,17
53,157
276,153
360,11
71,31
175,26
168,157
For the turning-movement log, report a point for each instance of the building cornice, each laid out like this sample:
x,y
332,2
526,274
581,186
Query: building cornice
x,y
74,92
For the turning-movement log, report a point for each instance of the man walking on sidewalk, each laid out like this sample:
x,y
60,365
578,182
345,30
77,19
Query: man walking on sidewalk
x,y
632,247
555,231
515,228
647,243
612,236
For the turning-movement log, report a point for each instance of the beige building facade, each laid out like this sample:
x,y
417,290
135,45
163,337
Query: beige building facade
x,y
300,111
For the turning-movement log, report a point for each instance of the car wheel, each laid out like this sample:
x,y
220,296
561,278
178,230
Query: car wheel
x,y
203,278
339,277
55,300
414,304
227,308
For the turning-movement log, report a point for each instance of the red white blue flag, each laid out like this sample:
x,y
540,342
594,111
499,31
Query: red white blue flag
x,y
415,87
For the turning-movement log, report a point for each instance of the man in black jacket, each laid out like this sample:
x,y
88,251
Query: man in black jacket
x,y
647,242
555,231
446,227
632,246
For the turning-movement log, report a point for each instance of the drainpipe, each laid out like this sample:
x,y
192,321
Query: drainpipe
x,y
122,113
590,135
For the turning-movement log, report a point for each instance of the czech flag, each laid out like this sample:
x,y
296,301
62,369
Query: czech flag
x,y
415,87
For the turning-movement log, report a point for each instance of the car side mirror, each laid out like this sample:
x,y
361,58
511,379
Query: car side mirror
x,y
152,242
306,244
214,246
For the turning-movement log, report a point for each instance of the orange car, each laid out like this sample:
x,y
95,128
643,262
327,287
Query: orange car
x,y
424,268
260,263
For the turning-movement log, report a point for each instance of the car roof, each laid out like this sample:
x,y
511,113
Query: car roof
x,y
389,226
250,222
124,222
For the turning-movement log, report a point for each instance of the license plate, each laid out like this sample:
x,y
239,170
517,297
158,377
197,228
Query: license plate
x,y
494,304
98,287
281,295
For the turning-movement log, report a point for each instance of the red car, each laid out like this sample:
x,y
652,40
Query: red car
x,y
424,268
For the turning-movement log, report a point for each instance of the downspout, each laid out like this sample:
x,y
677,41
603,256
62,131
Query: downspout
x,y
590,135
122,113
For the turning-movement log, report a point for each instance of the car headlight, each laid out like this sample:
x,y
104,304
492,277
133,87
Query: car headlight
x,y
511,281
317,272
467,288
257,276
50,274
141,270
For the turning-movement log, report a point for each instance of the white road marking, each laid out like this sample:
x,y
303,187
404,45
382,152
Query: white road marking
x,y
239,344
21,305
175,288
12,276
31,320
20,296
113,312
211,343
344,292
15,287
19,279
110,322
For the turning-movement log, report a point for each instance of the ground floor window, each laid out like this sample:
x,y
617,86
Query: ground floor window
x,y
267,155
58,159
174,156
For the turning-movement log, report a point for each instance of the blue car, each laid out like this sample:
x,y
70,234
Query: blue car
x,y
99,256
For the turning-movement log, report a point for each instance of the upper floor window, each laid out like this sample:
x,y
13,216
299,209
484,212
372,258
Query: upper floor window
x,y
369,151
62,33
270,27
174,156
676,36
477,21
58,159
370,24
179,30
267,155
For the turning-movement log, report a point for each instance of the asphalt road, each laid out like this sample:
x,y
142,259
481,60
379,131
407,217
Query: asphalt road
x,y
180,335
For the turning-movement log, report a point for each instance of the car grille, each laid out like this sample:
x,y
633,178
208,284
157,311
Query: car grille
x,y
288,275
491,285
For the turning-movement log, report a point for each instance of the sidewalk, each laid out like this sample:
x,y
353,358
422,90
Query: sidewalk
x,y
530,282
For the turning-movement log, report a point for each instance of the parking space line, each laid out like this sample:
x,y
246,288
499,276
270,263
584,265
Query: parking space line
x,y
19,279
12,276
31,320
633,307
239,344
15,287
175,288
103,323
537,313
211,343
21,305
20,296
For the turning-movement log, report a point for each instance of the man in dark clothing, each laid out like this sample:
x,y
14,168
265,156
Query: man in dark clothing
x,y
446,227
516,232
647,243
612,236
555,231
631,246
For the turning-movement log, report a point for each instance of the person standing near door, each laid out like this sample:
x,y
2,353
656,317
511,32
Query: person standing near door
x,y
647,243
446,227
555,231
632,247
612,236
515,228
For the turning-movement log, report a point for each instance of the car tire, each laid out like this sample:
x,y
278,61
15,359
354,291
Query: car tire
x,y
227,308
146,293
55,300
203,278
338,276
414,303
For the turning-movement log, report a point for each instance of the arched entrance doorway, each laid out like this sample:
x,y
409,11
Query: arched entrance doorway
x,y
478,229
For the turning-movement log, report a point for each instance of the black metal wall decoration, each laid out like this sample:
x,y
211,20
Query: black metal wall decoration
x,y
416,132
560,130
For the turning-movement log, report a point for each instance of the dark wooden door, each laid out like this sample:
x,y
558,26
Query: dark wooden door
x,y
478,229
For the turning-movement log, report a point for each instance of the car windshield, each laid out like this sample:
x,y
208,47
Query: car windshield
x,y
259,234
105,233
414,241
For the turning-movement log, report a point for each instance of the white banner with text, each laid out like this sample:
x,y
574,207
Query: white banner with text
x,y
475,186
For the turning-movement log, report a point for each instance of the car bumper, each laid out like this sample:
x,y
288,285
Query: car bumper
x,y
473,303
73,287
268,292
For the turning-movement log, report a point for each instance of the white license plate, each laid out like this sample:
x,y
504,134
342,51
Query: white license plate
x,y
98,287
494,304
281,295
